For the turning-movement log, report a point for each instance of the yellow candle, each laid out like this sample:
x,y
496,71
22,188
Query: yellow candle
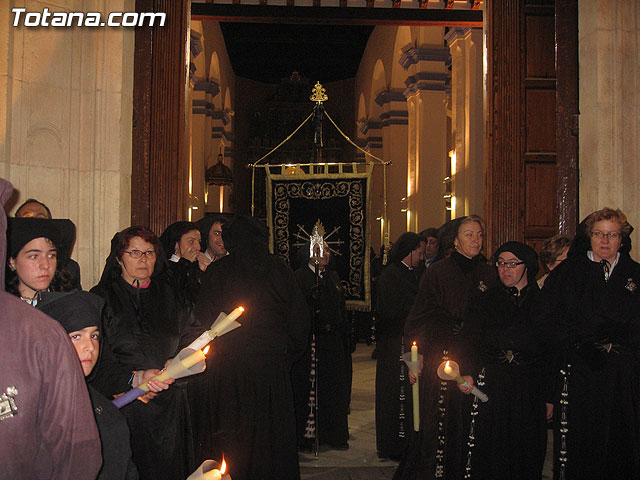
x,y
415,391
225,322
212,475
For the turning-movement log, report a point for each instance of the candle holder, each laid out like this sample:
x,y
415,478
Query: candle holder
x,y
210,470
450,370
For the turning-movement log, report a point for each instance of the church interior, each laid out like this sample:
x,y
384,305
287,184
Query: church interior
x,y
524,111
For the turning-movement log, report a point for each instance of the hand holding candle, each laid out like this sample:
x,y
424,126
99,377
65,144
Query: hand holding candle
x,y
414,361
415,391
450,370
187,362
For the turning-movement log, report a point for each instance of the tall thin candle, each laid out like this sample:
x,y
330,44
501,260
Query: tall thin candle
x,y
415,391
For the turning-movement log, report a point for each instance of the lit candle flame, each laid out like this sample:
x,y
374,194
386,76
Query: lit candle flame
x,y
414,343
223,466
241,309
206,349
447,368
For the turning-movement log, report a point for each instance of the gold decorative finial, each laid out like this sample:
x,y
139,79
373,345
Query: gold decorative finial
x,y
318,94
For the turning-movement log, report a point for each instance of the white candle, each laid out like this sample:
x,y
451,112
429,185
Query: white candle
x,y
415,391
228,320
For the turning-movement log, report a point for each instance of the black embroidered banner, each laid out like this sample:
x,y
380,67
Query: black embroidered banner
x,y
341,203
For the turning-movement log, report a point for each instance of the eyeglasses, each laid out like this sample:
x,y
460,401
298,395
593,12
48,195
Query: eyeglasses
x,y
139,253
600,235
501,264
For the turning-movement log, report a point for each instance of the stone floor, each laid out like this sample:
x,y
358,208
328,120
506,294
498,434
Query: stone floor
x,y
361,460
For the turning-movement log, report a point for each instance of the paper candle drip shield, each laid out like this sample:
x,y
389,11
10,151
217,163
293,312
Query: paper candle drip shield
x,y
210,470
450,370
223,324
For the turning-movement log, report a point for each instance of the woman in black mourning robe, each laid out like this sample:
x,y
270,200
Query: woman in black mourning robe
x,y
595,308
507,434
143,327
397,289
246,409
435,323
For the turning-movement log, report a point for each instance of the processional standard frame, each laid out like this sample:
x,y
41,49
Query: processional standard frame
x,y
319,96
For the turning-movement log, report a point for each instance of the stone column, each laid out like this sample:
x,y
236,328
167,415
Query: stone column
x,y
427,134
465,45
66,123
394,133
609,104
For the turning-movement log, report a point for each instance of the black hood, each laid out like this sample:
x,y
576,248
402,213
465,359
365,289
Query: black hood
x,y
247,239
525,253
404,245
20,231
74,311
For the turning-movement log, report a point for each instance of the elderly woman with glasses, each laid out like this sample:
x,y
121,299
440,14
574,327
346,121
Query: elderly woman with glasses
x,y
506,354
592,300
144,326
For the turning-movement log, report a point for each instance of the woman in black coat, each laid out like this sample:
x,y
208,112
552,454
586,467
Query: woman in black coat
x,y
593,302
144,325
506,356
435,324
397,289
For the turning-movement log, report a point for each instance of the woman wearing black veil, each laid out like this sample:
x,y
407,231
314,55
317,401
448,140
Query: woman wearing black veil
x,y
506,357
592,299
436,324
245,404
144,325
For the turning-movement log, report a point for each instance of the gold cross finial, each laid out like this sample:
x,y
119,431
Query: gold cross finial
x,y
318,94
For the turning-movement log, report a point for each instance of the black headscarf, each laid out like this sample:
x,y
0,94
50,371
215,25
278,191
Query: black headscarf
x,y
448,232
173,233
525,253
247,238
21,231
74,311
404,245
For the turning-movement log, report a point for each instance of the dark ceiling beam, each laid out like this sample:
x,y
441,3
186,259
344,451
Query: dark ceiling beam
x,y
335,15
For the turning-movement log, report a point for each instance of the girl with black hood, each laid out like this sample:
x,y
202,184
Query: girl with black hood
x,y
144,325
79,314
593,301
506,358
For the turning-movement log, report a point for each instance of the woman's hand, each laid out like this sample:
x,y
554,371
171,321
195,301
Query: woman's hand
x,y
156,386
468,386
203,261
412,377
